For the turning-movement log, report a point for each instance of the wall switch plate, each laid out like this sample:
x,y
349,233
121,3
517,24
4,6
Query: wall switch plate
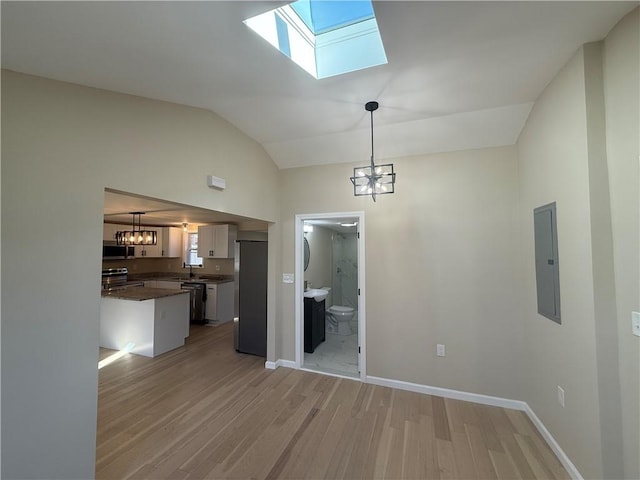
x,y
561,396
287,278
635,323
440,350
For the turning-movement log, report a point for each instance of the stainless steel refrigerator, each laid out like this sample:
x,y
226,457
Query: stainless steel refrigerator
x,y
251,297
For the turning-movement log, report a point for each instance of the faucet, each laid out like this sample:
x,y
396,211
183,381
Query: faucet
x,y
184,265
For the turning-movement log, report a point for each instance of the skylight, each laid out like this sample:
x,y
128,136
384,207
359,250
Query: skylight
x,y
324,37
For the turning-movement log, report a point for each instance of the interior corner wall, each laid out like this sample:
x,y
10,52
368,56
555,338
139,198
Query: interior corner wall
x,y
62,144
441,267
622,106
553,167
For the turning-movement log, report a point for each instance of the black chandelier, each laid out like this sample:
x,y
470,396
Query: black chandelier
x,y
137,237
373,179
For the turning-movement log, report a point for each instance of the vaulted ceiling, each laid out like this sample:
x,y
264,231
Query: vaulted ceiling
x,y
460,74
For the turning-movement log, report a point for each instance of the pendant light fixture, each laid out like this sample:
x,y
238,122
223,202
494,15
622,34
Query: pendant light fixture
x,y
373,179
137,237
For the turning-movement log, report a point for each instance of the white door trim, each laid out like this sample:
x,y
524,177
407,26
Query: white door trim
x,y
299,284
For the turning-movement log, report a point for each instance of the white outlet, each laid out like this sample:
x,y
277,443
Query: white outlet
x,y
440,350
561,396
287,278
635,323
217,268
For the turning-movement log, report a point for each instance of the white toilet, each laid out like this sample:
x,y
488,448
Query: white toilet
x,y
338,317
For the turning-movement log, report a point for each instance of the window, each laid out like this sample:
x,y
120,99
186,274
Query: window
x,y
324,37
192,257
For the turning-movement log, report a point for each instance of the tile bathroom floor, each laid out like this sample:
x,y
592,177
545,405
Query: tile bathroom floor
x,y
338,354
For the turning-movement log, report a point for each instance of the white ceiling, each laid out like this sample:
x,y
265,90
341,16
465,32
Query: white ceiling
x,y
118,207
460,74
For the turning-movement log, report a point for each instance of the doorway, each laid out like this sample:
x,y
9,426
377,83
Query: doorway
x,y
329,260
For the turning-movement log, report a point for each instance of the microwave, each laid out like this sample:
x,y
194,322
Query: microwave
x,y
112,251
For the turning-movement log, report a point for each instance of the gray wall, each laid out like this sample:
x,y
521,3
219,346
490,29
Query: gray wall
x,y
61,146
622,106
580,148
553,166
440,267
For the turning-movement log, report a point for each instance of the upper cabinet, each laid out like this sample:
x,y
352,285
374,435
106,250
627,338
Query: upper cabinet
x,y
150,251
171,242
217,241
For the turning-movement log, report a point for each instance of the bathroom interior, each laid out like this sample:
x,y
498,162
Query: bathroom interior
x,y
331,264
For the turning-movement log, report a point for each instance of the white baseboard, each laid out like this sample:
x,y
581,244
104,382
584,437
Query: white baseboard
x,y
564,459
447,393
279,363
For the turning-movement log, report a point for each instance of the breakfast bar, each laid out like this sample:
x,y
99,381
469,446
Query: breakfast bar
x,y
155,320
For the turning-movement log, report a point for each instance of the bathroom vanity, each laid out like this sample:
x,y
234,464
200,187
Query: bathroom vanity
x,y
314,328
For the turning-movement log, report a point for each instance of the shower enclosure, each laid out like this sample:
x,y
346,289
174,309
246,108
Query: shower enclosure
x,y
344,276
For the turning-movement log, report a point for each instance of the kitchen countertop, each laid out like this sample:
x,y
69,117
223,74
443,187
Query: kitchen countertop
x,y
142,293
174,278
204,280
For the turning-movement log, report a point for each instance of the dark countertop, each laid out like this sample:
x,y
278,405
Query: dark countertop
x,y
204,280
168,277
142,293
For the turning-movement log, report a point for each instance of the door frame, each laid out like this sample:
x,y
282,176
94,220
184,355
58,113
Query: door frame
x,y
299,284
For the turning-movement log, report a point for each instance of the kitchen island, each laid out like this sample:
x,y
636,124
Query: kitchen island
x,y
155,320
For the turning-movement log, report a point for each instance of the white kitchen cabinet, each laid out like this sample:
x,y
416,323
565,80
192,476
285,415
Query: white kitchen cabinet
x,y
150,251
153,325
172,285
217,241
206,241
171,242
220,302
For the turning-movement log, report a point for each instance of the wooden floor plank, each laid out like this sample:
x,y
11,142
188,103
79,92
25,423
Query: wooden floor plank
x,y
489,433
535,460
518,459
480,452
503,465
204,411
446,460
440,419
464,457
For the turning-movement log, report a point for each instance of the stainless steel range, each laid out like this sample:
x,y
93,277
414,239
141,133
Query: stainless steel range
x,y
114,277
117,278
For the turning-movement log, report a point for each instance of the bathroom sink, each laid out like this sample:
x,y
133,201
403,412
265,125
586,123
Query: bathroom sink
x,y
318,294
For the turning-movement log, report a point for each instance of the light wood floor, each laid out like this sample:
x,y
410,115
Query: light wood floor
x,y
204,411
